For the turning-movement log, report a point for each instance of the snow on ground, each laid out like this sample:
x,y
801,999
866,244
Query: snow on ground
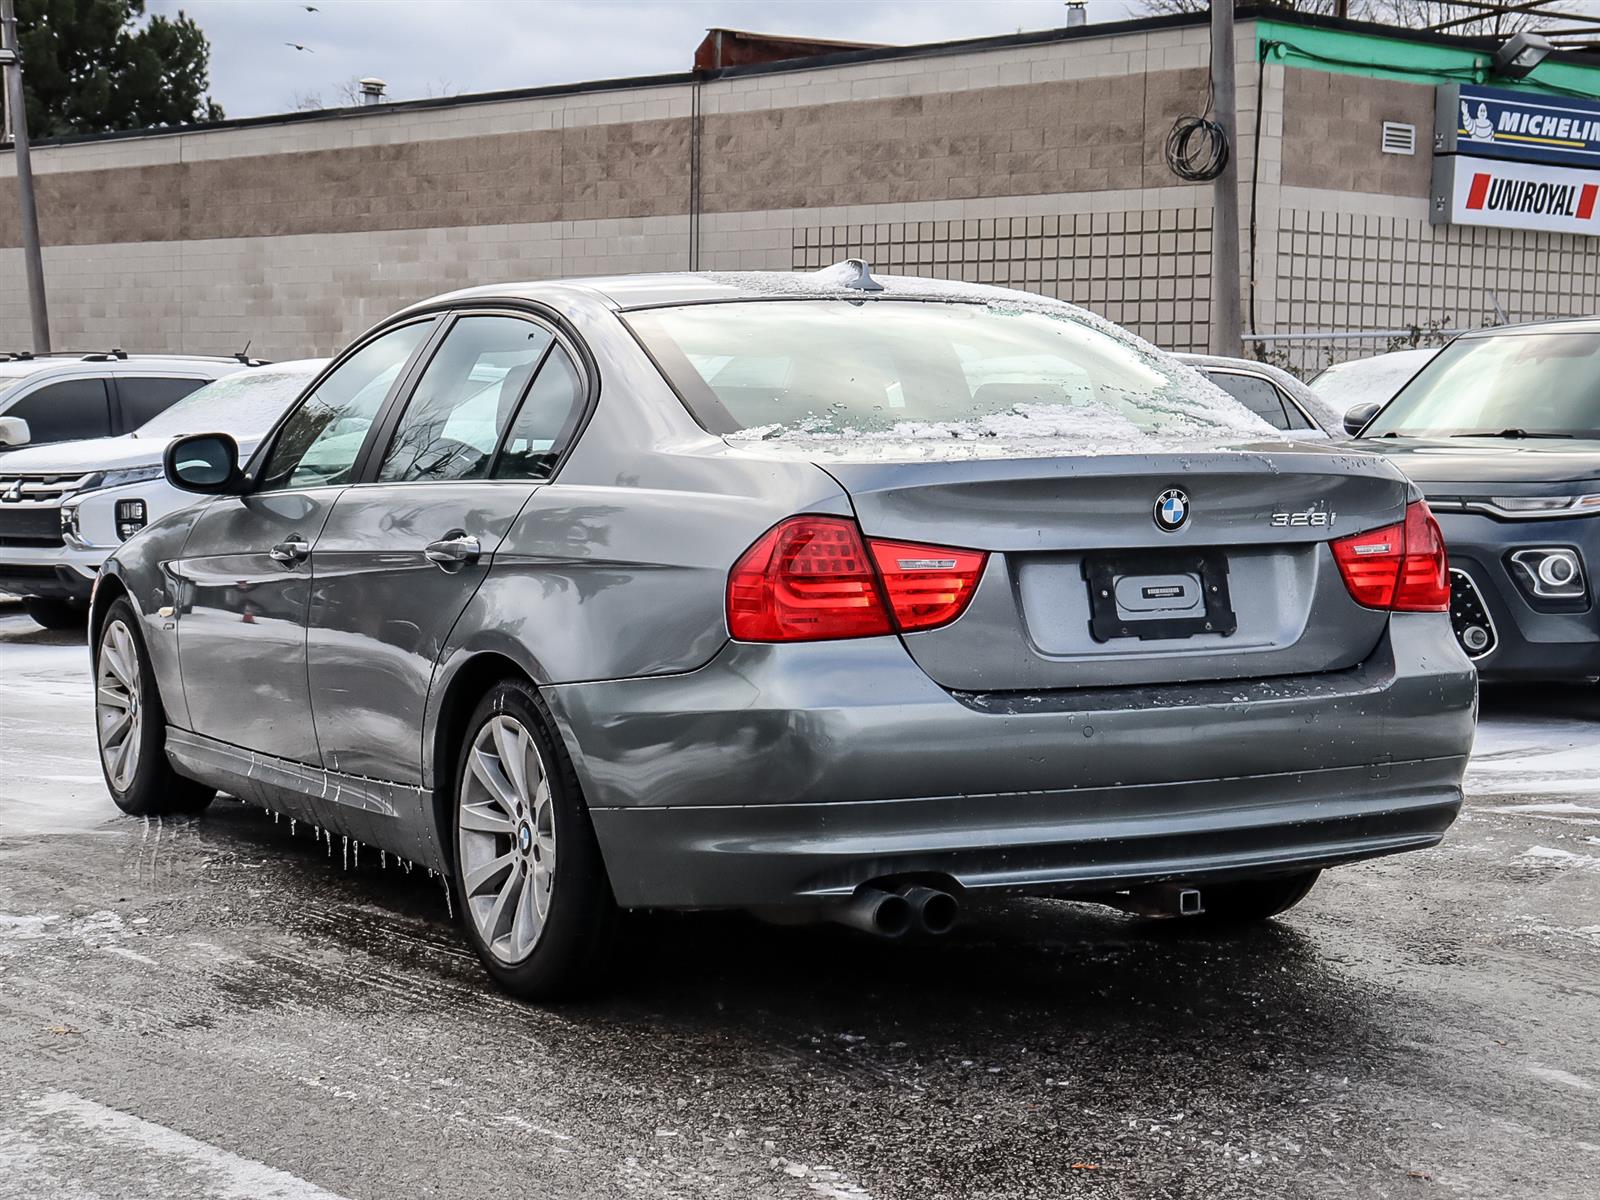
x,y
49,773
1548,755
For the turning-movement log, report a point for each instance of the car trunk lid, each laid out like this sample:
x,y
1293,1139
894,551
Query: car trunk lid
x,y
1084,587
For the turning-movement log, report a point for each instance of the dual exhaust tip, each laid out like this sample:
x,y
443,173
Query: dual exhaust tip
x,y
893,913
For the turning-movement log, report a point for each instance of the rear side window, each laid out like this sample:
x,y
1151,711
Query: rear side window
x,y
144,397
544,421
1256,394
465,399
65,411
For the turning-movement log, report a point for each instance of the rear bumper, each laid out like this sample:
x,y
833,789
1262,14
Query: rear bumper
x,y
1548,642
783,774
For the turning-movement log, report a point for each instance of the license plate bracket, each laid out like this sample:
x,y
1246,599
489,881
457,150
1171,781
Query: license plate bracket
x,y
1148,595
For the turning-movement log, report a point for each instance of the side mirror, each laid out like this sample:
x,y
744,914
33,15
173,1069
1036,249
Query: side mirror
x,y
207,463
1358,418
14,432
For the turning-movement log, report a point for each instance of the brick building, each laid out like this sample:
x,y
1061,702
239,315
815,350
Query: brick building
x,y
1034,160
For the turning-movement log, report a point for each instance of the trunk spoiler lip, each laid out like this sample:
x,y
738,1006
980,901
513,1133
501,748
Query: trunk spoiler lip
x,y
951,465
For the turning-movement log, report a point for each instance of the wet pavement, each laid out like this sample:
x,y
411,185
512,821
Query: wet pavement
x,y
216,1008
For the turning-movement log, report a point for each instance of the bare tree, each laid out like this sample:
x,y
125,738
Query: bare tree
x,y
1494,18
1465,17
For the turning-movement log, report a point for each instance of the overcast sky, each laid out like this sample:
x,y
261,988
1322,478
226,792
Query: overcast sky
x,y
430,47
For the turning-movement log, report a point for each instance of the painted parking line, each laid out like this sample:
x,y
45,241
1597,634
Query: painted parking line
x,y
220,1173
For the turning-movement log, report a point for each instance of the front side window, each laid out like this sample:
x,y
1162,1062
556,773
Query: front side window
x,y
896,368
465,399
65,411
1504,385
320,441
146,396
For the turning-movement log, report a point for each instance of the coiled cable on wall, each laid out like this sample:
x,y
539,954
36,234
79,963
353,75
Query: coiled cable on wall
x,y
1197,148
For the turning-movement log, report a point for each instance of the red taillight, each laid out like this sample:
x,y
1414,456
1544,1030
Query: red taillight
x,y
1425,575
1402,567
810,578
927,586
804,579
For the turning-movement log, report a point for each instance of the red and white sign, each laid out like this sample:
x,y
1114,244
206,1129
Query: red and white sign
x,y
1518,195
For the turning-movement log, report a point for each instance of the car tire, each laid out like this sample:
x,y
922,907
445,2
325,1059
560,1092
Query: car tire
x,y
529,882
131,725
53,613
1251,900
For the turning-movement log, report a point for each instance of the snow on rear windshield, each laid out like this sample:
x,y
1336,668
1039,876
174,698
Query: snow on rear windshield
x,y
244,404
915,370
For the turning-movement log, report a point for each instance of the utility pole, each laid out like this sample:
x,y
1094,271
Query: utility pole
x,y
11,59
1225,330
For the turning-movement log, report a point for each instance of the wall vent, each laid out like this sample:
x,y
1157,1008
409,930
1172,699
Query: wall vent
x,y
1399,138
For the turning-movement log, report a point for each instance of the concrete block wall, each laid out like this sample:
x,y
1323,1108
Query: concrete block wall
x,y
300,234
1039,166
1346,243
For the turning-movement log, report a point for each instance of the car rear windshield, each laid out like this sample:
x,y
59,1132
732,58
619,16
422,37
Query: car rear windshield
x,y
244,404
1507,385
837,368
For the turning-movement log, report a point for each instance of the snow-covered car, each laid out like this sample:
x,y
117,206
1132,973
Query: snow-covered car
x,y
64,507
1344,385
70,397
1270,392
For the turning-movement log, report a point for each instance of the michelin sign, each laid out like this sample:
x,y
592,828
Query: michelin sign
x,y
1517,160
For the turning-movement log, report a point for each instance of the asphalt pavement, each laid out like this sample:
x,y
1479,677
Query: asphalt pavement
x,y
219,1007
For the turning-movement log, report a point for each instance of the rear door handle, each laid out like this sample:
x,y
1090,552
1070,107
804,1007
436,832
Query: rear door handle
x,y
291,551
453,551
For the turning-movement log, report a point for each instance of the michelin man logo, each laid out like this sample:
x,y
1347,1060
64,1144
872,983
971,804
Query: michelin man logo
x,y
1479,128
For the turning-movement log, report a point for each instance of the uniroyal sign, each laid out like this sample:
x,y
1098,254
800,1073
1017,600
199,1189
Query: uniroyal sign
x,y
1481,191
1516,160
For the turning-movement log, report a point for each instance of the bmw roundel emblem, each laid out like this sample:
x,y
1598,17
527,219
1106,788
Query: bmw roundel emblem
x,y
1172,509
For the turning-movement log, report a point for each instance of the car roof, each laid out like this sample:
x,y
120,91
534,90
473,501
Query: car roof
x,y
1277,374
20,364
629,292
1561,325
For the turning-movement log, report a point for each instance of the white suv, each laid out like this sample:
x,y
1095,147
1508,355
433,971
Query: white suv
x,y
65,507
67,397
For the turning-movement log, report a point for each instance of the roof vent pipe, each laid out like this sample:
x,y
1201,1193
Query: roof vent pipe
x,y
1077,14
372,90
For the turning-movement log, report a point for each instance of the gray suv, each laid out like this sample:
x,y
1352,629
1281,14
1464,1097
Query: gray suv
x,y
1501,430
824,595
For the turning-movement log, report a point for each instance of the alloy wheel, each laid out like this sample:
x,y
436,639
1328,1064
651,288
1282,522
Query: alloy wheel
x,y
506,839
118,712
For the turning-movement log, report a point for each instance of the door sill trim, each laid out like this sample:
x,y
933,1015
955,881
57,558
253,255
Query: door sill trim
x,y
247,773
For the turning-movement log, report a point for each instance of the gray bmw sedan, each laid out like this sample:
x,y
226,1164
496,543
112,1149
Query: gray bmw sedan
x,y
822,595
